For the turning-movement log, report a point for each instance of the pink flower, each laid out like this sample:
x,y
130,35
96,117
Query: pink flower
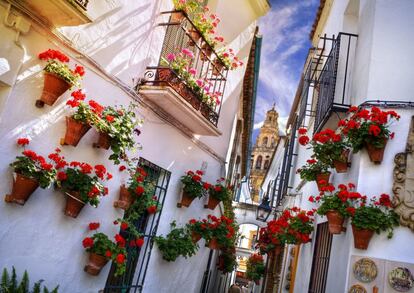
x,y
192,71
199,82
187,52
171,57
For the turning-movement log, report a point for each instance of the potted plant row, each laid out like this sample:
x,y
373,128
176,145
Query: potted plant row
x,y
58,77
367,217
255,268
294,226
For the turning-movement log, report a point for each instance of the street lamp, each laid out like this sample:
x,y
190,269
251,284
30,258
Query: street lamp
x,y
263,210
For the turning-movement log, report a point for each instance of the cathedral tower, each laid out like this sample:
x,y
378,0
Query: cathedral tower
x,y
266,143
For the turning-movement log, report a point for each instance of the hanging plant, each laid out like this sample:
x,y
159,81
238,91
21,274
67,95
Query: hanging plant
x,y
116,127
176,243
217,193
227,261
334,204
369,129
58,76
316,171
84,116
221,232
81,182
255,268
328,147
30,171
101,249
371,217
193,187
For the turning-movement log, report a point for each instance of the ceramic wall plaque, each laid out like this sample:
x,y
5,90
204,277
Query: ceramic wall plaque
x,y
365,270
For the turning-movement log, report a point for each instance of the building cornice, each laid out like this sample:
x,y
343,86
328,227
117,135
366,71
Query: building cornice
x,y
261,7
320,20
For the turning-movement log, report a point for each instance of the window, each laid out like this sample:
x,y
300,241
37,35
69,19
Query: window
x,y
138,258
265,141
273,142
259,162
266,164
320,263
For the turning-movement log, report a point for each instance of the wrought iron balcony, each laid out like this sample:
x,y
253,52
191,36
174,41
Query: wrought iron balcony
x,y
187,101
332,77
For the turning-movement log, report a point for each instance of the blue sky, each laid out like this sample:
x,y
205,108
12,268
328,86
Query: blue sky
x,y
285,31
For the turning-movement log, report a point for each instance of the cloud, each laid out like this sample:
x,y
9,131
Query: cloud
x,y
285,32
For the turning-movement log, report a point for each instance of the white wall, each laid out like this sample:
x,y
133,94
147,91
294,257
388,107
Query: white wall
x,y
38,237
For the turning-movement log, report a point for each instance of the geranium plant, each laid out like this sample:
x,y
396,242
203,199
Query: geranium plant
x,y
119,125
327,146
255,267
219,191
369,128
31,170
377,215
189,6
104,249
57,64
199,229
229,59
192,184
227,261
311,169
177,243
222,230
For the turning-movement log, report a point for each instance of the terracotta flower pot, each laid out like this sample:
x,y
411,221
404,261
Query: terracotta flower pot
x,y
376,154
104,141
217,67
322,177
74,131
195,36
212,202
213,244
54,86
362,237
206,49
335,222
341,166
22,188
125,198
177,16
195,237
186,199
95,264
205,110
74,204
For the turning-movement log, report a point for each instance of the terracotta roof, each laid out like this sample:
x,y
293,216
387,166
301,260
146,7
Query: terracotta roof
x,y
317,17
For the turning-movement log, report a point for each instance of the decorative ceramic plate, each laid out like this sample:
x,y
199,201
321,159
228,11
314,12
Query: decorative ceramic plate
x,y
401,279
357,289
365,270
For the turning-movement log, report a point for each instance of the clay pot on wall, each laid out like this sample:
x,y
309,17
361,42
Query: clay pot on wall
x,y
341,166
125,199
376,154
362,237
322,177
217,67
212,203
206,49
95,264
195,237
194,36
186,200
213,244
104,141
335,222
54,86
22,188
177,16
75,130
74,204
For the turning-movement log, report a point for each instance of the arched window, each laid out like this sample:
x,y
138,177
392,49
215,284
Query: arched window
x,y
266,164
273,142
259,162
265,141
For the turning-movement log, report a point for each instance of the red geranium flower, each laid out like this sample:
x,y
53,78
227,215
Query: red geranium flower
x,y
374,130
139,242
124,226
304,140
120,258
93,226
152,209
110,118
108,253
79,70
23,141
87,242
139,190
122,168
302,131
62,176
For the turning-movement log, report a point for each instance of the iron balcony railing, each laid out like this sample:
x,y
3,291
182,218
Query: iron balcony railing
x,y
181,33
332,81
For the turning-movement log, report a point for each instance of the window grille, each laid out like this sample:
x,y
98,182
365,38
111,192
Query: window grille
x,y
138,258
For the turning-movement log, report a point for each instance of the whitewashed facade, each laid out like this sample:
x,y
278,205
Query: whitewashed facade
x,y
117,43
380,67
